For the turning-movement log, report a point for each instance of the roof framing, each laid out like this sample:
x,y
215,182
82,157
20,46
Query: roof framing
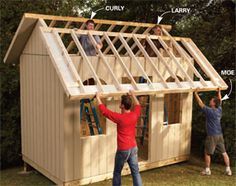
x,y
117,88
29,21
128,37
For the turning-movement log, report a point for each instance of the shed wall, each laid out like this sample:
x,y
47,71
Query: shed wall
x,y
42,108
165,142
51,124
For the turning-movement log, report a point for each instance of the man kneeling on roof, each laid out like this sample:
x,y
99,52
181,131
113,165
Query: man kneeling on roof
x,y
214,139
127,150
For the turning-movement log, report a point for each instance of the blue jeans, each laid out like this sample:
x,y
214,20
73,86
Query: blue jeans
x,y
130,156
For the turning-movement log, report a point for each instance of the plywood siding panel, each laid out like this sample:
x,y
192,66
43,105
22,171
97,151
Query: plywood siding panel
x,y
43,114
61,133
160,119
40,112
153,130
94,155
47,114
165,138
27,82
102,158
57,126
35,44
69,137
177,140
186,122
77,144
31,116
170,142
189,121
111,136
36,109
85,157
53,103
22,101
44,107
49,126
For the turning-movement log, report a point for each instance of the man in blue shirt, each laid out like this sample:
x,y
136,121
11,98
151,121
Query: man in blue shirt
x,y
214,139
88,46
86,43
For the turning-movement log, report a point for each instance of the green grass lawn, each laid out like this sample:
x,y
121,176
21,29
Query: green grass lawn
x,y
187,173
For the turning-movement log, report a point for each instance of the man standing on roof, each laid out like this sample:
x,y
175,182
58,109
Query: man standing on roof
x,y
127,150
214,139
86,43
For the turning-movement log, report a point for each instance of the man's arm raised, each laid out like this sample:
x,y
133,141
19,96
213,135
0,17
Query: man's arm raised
x,y
199,101
219,95
98,96
113,116
136,101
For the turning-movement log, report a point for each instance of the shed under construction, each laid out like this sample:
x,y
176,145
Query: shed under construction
x,y
63,135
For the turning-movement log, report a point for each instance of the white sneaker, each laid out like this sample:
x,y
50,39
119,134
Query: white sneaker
x,y
206,172
228,172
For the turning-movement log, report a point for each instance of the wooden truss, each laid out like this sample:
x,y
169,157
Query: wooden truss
x,y
131,42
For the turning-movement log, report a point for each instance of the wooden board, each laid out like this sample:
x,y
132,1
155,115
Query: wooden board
x,y
98,21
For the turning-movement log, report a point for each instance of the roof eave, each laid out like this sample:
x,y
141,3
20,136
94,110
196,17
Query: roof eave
x,y
20,39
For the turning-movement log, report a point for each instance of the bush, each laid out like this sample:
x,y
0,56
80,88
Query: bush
x,y
10,115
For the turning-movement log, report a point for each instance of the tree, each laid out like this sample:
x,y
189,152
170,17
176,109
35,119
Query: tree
x,y
210,25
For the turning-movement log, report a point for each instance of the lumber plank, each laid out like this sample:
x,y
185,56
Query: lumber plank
x,y
150,60
82,26
114,40
207,62
113,34
121,62
145,32
135,60
170,53
81,19
82,52
59,71
111,27
66,26
128,38
97,26
162,60
52,23
203,66
69,61
70,46
115,80
184,55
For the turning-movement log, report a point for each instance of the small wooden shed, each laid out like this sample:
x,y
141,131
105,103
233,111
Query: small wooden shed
x,y
54,70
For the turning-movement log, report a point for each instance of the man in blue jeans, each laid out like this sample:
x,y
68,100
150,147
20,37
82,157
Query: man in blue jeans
x,y
127,150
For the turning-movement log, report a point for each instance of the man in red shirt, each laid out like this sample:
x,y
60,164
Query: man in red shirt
x,y
127,150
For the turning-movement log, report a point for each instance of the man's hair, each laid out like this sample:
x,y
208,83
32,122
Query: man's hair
x,y
156,26
89,21
126,101
216,101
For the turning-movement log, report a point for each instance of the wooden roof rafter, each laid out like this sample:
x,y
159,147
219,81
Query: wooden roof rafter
x,y
184,54
151,87
55,38
82,52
